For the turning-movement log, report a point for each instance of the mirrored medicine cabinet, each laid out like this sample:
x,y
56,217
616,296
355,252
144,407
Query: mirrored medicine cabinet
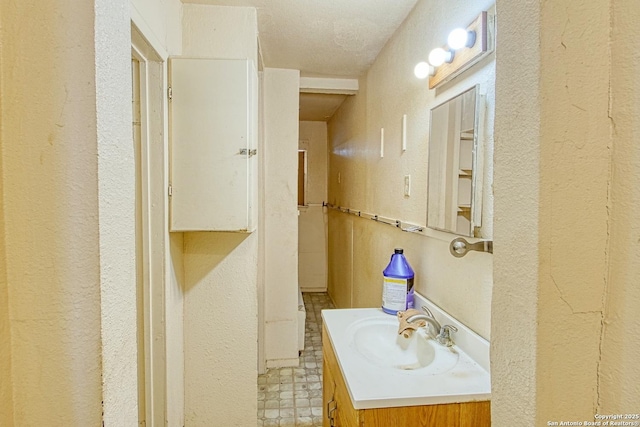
x,y
454,185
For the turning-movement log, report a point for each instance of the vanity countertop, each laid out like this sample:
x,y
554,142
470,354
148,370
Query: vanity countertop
x,y
373,386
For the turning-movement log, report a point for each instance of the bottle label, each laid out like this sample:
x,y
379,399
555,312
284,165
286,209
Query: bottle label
x,y
394,294
410,297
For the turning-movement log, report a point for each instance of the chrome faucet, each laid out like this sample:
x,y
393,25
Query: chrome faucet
x,y
442,334
428,317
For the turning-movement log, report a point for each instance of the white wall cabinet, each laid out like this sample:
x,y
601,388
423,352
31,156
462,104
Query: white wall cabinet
x,y
214,167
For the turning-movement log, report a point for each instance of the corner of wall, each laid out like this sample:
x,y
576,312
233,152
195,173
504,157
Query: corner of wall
x,y
116,210
281,132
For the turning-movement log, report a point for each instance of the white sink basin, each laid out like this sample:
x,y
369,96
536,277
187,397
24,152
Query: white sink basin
x,y
377,340
382,369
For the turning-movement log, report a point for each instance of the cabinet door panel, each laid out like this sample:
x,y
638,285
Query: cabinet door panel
x,y
212,119
414,416
328,390
345,415
475,414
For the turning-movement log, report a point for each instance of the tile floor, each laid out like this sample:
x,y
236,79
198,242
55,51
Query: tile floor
x,y
292,397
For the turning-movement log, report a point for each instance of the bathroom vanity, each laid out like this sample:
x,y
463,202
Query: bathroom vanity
x,y
367,383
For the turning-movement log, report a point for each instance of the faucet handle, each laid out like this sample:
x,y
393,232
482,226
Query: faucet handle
x,y
426,310
449,328
444,337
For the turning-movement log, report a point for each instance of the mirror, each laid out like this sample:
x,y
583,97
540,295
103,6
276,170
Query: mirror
x,y
453,186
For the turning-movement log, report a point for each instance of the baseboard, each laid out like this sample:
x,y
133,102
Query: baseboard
x,y
283,363
319,289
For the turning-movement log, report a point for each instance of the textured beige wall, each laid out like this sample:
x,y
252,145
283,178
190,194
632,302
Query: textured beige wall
x,y
220,329
68,189
312,235
516,191
281,90
116,211
313,138
619,390
563,327
359,249
174,306
6,385
574,179
220,269
50,202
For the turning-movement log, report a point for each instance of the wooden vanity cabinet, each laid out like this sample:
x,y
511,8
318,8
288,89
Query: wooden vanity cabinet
x,y
339,412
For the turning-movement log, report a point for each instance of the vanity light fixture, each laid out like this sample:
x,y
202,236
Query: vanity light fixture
x,y
465,47
423,70
439,56
460,38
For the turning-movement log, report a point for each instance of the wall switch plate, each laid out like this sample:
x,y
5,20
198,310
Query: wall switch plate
x,y
407,185
339,178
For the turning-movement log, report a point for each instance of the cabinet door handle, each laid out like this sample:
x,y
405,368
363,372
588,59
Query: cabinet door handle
x,y
332,405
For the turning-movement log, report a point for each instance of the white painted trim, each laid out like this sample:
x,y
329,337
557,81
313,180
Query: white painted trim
x,y
145,30
142,174
329,85
262,358
163,406
154,358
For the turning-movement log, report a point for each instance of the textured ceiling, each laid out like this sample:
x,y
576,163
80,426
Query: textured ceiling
x,y
337,38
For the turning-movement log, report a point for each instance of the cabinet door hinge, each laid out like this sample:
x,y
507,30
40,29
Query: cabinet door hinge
x,y
332,405
170,92
170,190
245,151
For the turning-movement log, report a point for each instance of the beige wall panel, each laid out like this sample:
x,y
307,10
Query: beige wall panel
x,y
516,190
51,271
312,220
359,179
340,284
6,386
620,376
564,175
281,91
574,179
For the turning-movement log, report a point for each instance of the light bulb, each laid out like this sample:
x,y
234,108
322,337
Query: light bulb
x,y
422,70
457,38
460,38
439,56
